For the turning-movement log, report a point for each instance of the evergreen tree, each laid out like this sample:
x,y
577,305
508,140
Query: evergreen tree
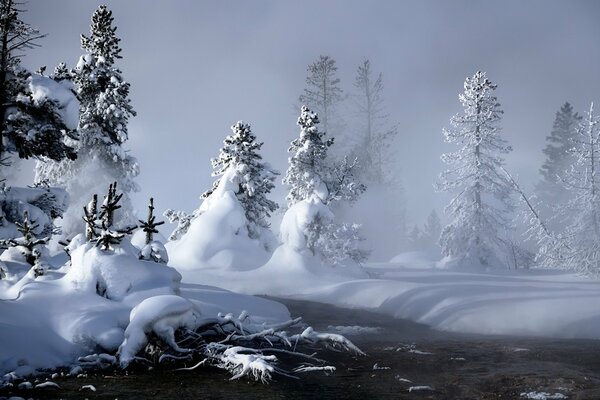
x,y
432,228
559,158
308,170
240,152
376,135
61,72
105,110
323,93
30,126
474,237
579,245
311,178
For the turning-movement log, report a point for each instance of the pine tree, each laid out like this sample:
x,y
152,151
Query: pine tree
x,y
323,93
580,242
474,236
105,109
376,135
29,127
311,178
308,170
432,228
30,247
61,72
240,152
559,158
109,235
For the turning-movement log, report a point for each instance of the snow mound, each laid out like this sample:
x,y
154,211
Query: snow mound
x,y
162,315
115,274
297,218
218,236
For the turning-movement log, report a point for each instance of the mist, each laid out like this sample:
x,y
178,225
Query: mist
x,y
196,68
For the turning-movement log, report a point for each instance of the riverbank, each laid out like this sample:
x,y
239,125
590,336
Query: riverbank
x,y
404,360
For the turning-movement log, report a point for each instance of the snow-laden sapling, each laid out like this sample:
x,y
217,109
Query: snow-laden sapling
x,y
153,250
108,235
30,247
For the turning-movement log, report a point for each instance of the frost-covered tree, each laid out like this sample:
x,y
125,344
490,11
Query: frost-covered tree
x,y
580,241
323,93
308,169
31,124
100,227
240,152
375,133
478,212
310,178
61,72
28,246
105,110
559,158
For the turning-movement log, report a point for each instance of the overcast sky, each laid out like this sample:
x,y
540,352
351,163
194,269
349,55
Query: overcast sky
x,y
196,67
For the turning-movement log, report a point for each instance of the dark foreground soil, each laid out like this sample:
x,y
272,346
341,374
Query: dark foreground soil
x,y
401,355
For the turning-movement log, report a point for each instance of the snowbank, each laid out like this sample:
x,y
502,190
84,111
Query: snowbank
x,y
218,236
103,301
533,303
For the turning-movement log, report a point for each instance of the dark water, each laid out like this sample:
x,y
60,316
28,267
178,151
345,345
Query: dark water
x,y
453,366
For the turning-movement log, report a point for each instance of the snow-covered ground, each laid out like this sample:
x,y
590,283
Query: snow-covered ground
x,y
535,302
52,320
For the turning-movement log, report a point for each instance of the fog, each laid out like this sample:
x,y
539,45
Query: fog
x,y
196,68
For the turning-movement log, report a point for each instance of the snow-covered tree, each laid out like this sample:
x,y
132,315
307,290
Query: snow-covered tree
x,y
308,169
427,238
61,72
310,178
323,93
579,244
559,158
478,212
105,110
153,250
375,134
101,228
240,152
30,248
31,124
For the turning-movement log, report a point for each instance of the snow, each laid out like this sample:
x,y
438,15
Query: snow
x,y
537,302
44,88
103,301
220,216
543,396
161,315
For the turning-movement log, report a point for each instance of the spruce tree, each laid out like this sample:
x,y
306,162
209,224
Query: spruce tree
x,y
578,245
478,212
29,126
323,93
255,177
105,109
310,178
559,158
308,170
373,148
